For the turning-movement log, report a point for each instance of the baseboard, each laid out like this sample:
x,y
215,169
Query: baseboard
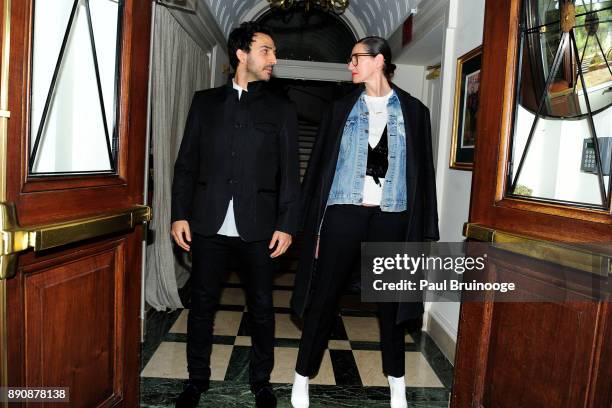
x,y
441,336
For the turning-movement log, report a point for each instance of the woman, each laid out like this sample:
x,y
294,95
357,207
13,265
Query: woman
x,y
370,178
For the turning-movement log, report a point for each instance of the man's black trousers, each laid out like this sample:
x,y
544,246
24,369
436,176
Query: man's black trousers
x,y
210,258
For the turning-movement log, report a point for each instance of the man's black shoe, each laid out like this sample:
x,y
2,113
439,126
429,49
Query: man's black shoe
x,y
190,397
265,398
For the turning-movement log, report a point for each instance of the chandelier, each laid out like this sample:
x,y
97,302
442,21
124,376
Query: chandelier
x,y
335,6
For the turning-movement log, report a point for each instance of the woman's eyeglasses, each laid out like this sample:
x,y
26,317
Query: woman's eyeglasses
x,y
354,59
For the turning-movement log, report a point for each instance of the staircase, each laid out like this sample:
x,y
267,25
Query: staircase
x,y
307,133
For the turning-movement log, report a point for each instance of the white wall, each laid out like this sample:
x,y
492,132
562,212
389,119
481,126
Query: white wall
x,y
411,79
219,66
463,33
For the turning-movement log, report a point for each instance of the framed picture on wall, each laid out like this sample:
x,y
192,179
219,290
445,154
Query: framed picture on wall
x,y
465,119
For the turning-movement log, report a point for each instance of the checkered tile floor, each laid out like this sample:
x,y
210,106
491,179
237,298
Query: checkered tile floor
x,y
352,361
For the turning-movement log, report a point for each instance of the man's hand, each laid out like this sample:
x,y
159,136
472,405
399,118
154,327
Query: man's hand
x,y
283,240
181,234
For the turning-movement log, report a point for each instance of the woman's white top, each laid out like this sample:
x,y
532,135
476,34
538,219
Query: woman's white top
x,y
378,117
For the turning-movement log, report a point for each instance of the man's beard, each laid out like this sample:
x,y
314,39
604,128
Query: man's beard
x,y
261,74
266,73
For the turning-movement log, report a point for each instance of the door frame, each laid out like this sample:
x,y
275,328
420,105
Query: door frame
x,y
5,20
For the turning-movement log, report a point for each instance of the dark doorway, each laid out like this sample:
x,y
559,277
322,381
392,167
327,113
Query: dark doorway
x,y
312,99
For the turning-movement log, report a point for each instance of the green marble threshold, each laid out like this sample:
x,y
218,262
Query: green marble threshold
x,y
161,392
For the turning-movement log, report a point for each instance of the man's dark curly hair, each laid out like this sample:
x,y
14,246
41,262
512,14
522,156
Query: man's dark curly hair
x,y
241,38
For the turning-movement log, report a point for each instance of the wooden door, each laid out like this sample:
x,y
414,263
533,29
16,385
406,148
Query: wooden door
x,y
72,148
531,354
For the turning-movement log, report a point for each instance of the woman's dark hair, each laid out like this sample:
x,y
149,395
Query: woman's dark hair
x,y
241,38
378,45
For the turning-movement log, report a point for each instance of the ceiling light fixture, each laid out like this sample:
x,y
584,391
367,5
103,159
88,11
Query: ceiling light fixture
x,y
335,6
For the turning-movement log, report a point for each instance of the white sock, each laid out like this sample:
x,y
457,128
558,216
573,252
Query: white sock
x,y
299,392
397,387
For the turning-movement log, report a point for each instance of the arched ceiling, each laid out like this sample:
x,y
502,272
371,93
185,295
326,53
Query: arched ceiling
x,y
382,17
378,17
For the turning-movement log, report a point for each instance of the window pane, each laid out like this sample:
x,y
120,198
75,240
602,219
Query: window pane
x,y
561,146
105,35
552,166
74,87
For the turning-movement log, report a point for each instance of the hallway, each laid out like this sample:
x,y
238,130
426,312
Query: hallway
x,y
95,97
350,375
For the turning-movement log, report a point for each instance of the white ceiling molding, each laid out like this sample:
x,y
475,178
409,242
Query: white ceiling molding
x,y
316,71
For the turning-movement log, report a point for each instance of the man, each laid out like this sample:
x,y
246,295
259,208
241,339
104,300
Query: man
x,y
236,188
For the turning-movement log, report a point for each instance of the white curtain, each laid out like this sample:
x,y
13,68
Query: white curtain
x,y
180,67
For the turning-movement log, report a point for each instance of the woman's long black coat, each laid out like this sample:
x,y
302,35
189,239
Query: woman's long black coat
x,y
420,178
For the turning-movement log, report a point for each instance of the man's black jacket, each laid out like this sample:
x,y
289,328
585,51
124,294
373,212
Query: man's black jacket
x,y
245,149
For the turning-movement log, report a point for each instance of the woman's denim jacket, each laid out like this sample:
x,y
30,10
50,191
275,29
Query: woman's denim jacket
x,y
347,187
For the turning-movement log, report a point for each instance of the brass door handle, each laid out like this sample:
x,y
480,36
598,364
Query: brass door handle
x,y
568,255
15,239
